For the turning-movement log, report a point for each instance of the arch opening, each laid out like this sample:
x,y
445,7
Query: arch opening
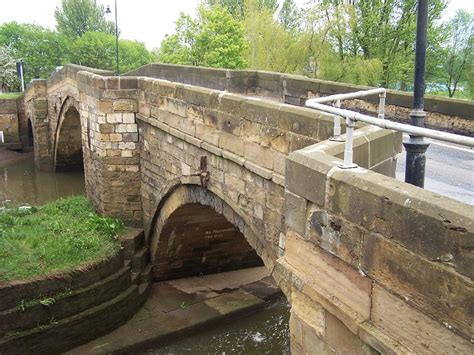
x,y
68,154
30,139
195,240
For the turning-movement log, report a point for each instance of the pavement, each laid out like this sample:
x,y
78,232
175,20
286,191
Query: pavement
x,y
179,308
449,170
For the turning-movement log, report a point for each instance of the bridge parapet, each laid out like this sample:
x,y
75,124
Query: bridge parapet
x,y
446,114
377,261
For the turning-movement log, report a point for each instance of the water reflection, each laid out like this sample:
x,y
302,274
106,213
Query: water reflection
x,y
21,183
265,332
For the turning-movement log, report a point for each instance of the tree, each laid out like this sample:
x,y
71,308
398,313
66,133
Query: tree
x,y
40,49
238,9
97,50
179,48
76,17
7,67
458,54
220,40
214,39
290,16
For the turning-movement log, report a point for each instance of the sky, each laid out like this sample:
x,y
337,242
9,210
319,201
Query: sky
x,y
144,20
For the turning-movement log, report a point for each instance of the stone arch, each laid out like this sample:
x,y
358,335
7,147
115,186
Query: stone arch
x,y
68,150
194,231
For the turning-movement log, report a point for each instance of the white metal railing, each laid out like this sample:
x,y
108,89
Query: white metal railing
x,y
352,117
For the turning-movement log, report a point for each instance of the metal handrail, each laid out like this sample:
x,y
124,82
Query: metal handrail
x,y
352,117
336,99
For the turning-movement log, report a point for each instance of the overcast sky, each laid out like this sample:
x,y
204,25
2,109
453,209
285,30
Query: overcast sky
x,y
144,20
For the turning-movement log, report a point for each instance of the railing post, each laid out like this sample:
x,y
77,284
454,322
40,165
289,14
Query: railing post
x,y
382,97
348,164
337,125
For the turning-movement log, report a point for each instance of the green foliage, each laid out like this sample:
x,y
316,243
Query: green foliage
x,y
40,49
58,236
179,48
238,8
220,40
76,17
97,50
214,39
457,56
290,16
10,95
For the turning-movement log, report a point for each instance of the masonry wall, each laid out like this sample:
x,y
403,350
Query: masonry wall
x,y
373,263
447,114
10,116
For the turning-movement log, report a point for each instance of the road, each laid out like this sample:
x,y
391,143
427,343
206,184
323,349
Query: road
x,y
449,170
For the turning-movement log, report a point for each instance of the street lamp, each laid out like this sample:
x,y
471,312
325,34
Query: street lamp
x,y
416,146
108,11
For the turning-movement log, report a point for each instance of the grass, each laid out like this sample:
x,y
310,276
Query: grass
x,y
58,236
10,95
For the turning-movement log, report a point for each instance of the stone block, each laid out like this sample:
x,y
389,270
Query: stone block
x,y
259,170
419,282
114,118
306,174
231,143
105,106
329,281
413,329
207,134
341,339
263,112
128,117
233,157
124,105
295,212
260,155
211,148
424,222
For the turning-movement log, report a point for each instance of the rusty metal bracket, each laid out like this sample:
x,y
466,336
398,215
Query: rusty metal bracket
x,y
203,173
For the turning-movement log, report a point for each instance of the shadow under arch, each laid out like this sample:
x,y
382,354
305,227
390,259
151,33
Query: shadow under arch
x,y
68,152
194,232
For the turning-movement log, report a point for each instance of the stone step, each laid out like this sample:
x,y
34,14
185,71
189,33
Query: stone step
x,y
29,289
140,260
41,311
60,336
132,241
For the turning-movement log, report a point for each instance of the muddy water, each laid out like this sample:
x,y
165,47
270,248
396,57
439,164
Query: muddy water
x,y
265,332
21,184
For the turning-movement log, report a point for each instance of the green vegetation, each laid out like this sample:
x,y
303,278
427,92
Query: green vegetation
x,y
214,39
58,236
84,36
10,95
368,42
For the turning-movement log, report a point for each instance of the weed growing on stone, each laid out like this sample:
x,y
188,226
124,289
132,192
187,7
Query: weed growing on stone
x,y
57,237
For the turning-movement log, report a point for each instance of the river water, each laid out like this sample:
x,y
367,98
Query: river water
x,y
265,332
21,184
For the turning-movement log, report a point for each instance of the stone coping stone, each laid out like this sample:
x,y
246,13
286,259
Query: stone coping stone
x,y
179,308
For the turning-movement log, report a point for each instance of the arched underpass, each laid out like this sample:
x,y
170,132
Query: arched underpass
x,y
68,152
196,240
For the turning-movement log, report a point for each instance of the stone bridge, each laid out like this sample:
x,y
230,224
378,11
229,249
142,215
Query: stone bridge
x,y
223,172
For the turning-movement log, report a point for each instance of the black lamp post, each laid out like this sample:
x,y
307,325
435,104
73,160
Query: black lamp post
x,y
108,11
416,146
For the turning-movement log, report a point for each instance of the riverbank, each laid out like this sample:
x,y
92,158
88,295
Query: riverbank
x,y
57,237
179,308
